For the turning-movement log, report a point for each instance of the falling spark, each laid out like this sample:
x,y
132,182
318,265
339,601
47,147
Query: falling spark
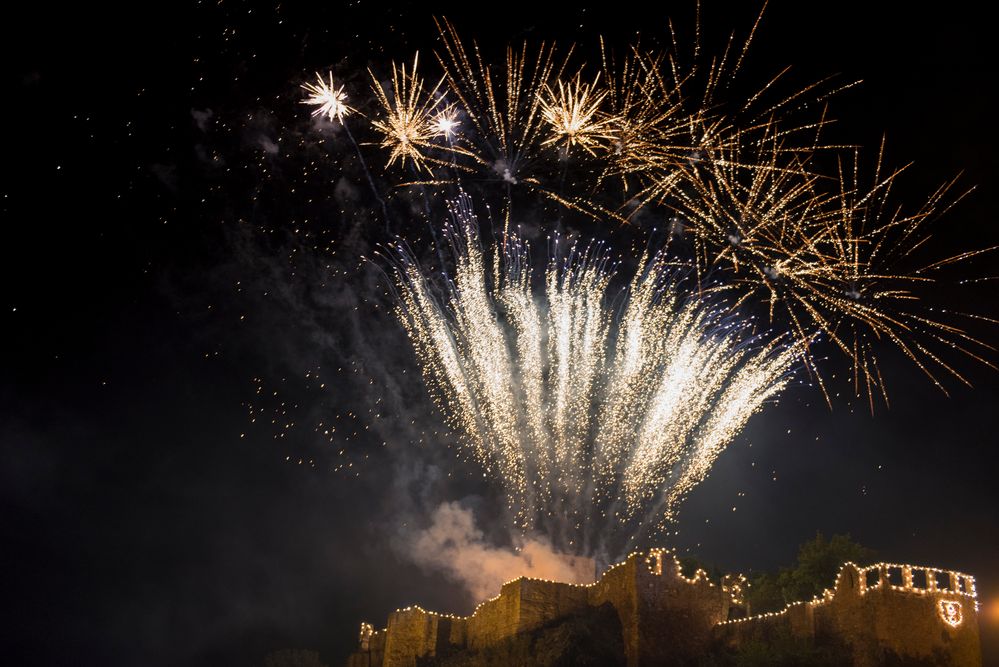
x,y
582,415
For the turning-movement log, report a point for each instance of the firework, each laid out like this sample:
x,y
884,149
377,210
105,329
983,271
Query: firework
x,y
506,118
328,99
445,123
648,125
408,124
598,420
591,422
572,112
873,282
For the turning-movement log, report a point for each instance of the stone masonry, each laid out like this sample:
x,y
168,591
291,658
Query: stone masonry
x,y
880,613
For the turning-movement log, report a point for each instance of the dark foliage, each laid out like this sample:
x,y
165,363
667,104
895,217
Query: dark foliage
x,y
818,562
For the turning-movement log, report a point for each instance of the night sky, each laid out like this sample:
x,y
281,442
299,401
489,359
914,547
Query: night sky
x,y
184,319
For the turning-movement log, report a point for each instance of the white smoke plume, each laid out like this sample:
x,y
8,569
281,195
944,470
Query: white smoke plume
x,y
453,545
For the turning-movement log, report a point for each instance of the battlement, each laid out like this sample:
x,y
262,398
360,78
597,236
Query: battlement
x,y
666,618
892,577
641,581
912,578
880,612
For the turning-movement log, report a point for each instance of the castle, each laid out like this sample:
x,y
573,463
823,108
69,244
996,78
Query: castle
x,y
881,614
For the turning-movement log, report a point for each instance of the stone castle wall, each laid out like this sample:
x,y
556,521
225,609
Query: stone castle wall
x,y
877,612
618,587
919,614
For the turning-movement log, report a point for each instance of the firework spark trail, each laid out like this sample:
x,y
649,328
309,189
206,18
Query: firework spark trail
x,y
590,422
648,124
331,102
742,182
506,116
597,421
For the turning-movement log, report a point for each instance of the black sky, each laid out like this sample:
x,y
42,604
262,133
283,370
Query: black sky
x,y
156,274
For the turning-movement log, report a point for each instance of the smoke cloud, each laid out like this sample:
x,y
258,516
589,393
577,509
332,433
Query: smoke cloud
x,y
453,545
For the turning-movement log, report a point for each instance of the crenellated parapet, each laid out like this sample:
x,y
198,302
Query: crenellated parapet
x,y
667,618
881,612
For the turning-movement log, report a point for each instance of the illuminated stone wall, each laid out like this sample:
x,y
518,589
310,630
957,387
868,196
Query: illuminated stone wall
x,y
676,615
371,653
494,619
617,587
664,616
884,612
541,602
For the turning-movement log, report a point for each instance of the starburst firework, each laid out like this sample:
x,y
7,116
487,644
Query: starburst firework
x,y
408,124
572,112
328,99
